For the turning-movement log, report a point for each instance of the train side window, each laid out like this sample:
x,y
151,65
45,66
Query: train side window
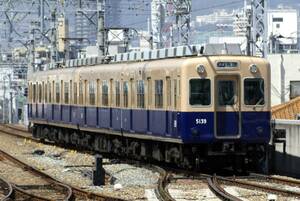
x,y
57,92
98,92
92,93
132,94
117,92
104,93
75,98
53,93
85,97
175,93
71,92
33,93
29,98
111,93
40,93
80,93
140,94
46,93
149,92
200,92
50,92
66,92
169,92
125,94
159,101
254,91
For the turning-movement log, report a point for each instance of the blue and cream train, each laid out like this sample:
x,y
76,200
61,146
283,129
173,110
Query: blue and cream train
x,y
181,110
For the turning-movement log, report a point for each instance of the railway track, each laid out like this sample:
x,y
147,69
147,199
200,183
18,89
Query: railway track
x,y
6,190
38,186
74,193
214,182
254,183
160,191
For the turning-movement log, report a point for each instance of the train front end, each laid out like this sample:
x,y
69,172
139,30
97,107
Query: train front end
x,y
227,112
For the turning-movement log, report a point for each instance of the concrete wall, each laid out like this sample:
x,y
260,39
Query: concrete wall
x,y
287,160
285,68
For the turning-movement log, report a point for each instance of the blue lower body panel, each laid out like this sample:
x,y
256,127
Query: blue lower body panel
x,y
190,127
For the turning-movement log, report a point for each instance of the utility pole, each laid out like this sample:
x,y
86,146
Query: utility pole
x,y
101,34
157,21
10,118
183,18
42,16
4,105
257,33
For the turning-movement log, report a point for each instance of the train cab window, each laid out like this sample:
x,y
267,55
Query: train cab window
x,y
57,92
66,92
254,91
117,91
105,93
125,94
226,92
92,91
159,101
80,93
140,94
75,94
200,92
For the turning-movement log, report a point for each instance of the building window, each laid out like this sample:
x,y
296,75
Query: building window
x,y
277,26
92,93
200,92
140,94
159,101
104,93
57,92
294,89
125,94
66,92
277,19
117,86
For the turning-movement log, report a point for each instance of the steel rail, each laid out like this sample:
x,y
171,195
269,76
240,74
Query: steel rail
x,y
254,186
161,189
77,192
215,187
36,172
9,192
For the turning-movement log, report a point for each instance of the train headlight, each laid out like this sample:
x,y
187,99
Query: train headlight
x,y
201,69
253,68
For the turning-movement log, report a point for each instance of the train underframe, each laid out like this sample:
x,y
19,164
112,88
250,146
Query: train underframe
x,y
216,155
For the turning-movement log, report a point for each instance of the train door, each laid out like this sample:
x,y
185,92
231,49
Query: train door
x,y
227,102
